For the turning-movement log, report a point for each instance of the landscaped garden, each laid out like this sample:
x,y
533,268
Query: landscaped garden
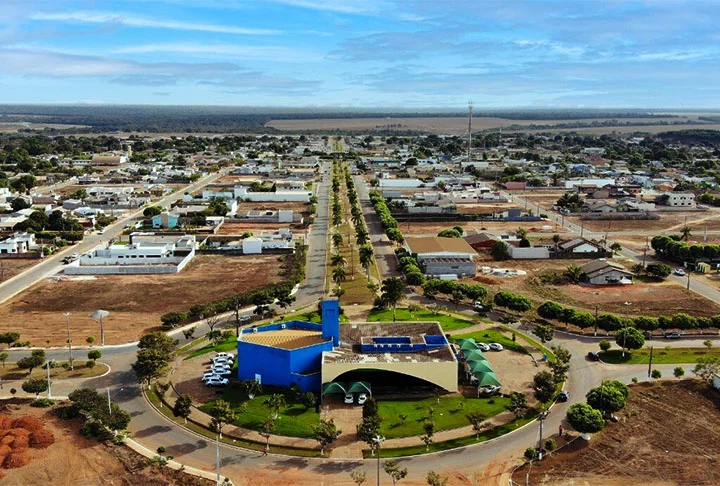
x,y
448,323
294,419
665,355
496,335
446,412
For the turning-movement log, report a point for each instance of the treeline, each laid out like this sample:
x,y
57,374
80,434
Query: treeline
x,y
671,248
389,224
434,286
612,322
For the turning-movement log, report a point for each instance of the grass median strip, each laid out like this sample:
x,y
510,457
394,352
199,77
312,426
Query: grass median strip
x,y
448,323
660,355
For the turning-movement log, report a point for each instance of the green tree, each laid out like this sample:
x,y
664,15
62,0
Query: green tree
x,y
544,332
616,248
707,367
450,233
544,386
337,240
561,365
359,477
585,419
435,479
35,385
518,404
35,360
606,398
679,372
325,434
4,357
708,344
183,407
274,403
656,374
637,269
339,275
392,468
392,292
659,270
150,365
427,437
605,345
573,273
252,388
221,414
94,354
151,211
499,251
629,338
476,419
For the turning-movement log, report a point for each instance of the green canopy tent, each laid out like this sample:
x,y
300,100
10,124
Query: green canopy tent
x,y
478,367
474,354
487,378
468,345
360,387
334,387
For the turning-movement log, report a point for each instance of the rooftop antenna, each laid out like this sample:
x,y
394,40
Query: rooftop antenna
x,y
470,108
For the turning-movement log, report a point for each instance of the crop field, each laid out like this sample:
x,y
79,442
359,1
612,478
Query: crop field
x,y
655,442
135,302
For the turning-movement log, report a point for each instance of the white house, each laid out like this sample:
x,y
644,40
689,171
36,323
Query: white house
x,y
678,199
18,243
280,195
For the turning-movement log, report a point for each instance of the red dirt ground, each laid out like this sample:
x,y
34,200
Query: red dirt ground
x,y
659,440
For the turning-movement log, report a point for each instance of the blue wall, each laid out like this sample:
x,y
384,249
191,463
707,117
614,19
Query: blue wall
x,y
331,320
283,367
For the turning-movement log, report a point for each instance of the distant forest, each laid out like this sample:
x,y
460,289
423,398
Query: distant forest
x,y
218,119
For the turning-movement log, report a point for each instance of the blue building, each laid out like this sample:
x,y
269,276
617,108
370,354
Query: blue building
x,y
330,356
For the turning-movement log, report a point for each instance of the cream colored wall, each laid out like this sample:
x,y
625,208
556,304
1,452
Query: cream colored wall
x,y
442,374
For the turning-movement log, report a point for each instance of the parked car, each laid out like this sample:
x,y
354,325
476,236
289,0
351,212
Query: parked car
x,y
244,319
482,346
496,346
223,355
220,368
223,372
672,335
593,356
217,381
488,390
564,396
362,398
74,256
223,360
101,231
208,375
680,272
479,306
349,399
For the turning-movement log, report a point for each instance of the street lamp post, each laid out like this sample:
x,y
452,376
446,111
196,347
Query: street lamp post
x,y
541,418
67,321
99,316
47,367
378,439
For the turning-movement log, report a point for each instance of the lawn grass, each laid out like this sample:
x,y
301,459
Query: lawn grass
x,y
312,316
226,345
448,323
448,414
495,335
459,442
227,439
11,372
294,419
660,355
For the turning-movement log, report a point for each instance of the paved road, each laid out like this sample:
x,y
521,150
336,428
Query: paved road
x,y
383,247
52,264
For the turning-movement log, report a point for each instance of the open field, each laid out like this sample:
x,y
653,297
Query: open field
x,y
497,227
11,267
668,222
458,124
298,207
73,459
656,442
12,127
135,302
651,299
238,227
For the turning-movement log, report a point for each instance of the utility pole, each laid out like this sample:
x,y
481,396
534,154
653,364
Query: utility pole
x,y
47,367
378,440
650,363
470,108
541,418
67,321
217,458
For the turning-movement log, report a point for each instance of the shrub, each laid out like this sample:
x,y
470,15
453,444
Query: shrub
x,y
531,454
679,371
550,445
41,403
605,345
656,374
90,364
67,412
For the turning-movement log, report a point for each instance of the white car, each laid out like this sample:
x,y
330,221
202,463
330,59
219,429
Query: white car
x,y
220,367
208,375
101,231
349,399
488,390
496,346
224,355
223,361
482,346
680,272
223,372
217,381
362,398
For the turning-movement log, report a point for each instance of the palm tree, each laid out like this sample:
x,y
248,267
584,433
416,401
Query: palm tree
x,y
573,273
392,292
637,269
275,402
339,275
522,233
362,236
337,240
616,248
366,255
337,260
685,232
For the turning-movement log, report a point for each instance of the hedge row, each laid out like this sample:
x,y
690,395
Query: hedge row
x,y
613,322
512,301
671,248
389,224
410,267
473,292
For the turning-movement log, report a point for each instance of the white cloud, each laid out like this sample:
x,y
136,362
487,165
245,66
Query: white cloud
x,y
270,53
337,6
129,20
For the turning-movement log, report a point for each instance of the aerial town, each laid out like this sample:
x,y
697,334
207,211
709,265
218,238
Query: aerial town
x,y
359,242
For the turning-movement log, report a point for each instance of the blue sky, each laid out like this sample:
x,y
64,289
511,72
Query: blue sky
x,y
362,53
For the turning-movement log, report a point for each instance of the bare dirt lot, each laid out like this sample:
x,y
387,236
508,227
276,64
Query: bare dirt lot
x,y
643,298
231,227
298,207
135,302
10,268
73,460
657,441
668,222
496,227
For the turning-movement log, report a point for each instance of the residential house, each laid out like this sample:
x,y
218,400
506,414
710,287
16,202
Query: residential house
x,y
443,257
166,220
17,244
677,199
604,272
480,240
